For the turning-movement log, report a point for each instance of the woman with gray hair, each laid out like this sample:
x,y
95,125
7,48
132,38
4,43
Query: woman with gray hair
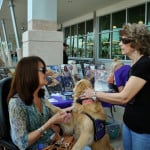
x,y
134,43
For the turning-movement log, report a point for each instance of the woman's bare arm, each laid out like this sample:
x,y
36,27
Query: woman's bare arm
x,y
132,87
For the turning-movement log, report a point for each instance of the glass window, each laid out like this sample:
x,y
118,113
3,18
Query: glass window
x,y
89,26
118,19
68,40
104,45
67,32
81,29
136,14
90,46
104,38
81,46
90,39
73,48
74,30
148,13
81,40
104,23
80,37
116,51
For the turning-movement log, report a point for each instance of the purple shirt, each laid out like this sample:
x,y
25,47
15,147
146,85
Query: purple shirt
x,y
121,75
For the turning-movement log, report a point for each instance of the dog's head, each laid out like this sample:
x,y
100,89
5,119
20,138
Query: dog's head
x,y
80,87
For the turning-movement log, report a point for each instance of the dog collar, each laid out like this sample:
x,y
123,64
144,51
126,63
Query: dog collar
x,y
85,101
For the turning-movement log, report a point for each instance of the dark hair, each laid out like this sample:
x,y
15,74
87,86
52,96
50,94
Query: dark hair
x,y
140,36
64,44
25,80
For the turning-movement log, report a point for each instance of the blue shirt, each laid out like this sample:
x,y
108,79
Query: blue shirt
x,y
121,75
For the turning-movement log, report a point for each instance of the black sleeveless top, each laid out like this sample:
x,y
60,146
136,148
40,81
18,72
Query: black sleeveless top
x,y
137,111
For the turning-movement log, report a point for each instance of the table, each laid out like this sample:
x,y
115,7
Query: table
x,y
59,101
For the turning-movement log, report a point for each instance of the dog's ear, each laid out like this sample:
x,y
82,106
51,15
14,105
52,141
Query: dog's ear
x,y
53,108
81,86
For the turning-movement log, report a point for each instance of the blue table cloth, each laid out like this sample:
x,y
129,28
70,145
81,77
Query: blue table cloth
x,y
62,102
59,101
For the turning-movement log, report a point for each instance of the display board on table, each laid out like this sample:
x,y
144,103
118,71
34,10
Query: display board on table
x,y
56,86
89,72
101,75
67,79
66,75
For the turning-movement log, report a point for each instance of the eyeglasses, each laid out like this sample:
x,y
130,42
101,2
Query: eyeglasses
x,y
43,70
126,40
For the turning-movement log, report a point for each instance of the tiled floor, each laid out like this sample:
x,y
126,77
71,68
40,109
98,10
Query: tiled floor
x,y
117,143
118,114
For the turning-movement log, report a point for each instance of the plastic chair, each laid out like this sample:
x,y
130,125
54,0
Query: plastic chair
x,y
5,139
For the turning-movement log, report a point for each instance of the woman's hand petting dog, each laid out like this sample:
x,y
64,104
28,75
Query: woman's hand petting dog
x,y
87,93
60,117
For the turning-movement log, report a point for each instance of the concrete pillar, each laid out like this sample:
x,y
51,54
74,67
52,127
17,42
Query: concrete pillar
x,y
42,37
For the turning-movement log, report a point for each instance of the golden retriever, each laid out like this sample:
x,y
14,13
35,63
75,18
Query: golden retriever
x,y
81,124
